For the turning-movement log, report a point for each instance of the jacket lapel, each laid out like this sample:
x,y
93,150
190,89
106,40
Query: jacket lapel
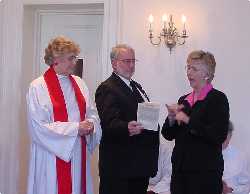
x,y
125,89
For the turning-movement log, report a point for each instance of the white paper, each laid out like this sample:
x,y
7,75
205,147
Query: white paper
x,y
148,115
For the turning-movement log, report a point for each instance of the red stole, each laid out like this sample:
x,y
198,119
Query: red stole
x,y
63,169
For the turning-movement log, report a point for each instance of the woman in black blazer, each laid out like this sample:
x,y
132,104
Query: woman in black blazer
x,y
198,124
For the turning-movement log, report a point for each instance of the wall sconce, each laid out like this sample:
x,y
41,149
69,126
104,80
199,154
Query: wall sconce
x,y
169,34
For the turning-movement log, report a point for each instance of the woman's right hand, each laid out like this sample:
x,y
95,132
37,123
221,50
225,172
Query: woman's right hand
x,y
173,109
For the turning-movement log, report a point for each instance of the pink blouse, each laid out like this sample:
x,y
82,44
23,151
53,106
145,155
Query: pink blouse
x,y
203,93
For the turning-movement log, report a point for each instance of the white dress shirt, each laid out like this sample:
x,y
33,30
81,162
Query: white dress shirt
x,y
236,173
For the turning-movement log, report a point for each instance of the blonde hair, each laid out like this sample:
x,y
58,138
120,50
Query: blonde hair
x,y
60,46
205,58
118,49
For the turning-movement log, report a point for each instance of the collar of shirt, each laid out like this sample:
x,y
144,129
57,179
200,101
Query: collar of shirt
x,y
204,91
126,81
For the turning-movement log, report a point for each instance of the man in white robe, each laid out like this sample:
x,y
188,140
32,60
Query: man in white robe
x,y
51,139
236,178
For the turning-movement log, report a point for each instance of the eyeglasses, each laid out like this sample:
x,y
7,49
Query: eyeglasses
x,y
192,68
128,60
73,58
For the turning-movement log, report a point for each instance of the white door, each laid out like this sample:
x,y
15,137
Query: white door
x,y
85,30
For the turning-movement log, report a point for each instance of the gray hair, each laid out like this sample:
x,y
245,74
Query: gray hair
x,y
117,49
206,58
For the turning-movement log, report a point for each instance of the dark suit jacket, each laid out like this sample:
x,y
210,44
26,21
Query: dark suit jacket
x,y
198,144
122,155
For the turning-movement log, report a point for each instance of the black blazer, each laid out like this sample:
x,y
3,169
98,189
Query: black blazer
x,y
119,154
198,144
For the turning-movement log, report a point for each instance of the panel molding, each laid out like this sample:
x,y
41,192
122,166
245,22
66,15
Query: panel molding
x,y
112,31
40,13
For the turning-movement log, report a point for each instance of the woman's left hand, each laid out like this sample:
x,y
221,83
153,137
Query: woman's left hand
x,y
182,117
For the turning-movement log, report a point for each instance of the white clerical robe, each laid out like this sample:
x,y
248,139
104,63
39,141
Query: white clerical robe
x,y
235,171
161,182
50,139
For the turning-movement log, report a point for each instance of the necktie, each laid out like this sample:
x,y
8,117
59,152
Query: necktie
x,y
136,93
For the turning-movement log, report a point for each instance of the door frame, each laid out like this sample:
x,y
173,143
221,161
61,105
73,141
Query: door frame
x,y
112,32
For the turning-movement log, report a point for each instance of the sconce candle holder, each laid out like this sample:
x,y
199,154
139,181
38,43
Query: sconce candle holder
x,y
169,34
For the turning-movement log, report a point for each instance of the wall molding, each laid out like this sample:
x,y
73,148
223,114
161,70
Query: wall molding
x,y
10,97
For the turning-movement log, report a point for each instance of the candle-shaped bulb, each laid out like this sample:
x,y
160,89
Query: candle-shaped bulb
x,y
164,18
151,18
184,19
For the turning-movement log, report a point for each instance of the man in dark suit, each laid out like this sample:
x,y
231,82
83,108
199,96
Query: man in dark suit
x,y
128,154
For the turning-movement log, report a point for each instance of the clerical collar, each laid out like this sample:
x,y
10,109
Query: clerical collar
x,y
60,76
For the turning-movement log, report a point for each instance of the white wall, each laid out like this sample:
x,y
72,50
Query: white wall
x,y
221,27
1,29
